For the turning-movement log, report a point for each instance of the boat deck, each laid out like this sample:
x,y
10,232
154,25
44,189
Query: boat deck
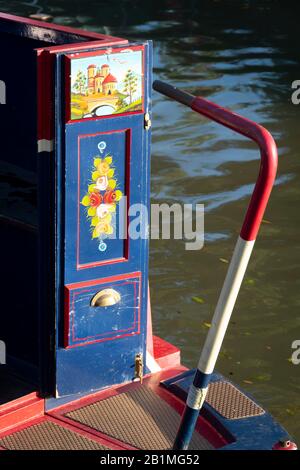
x,y
132,416
138,416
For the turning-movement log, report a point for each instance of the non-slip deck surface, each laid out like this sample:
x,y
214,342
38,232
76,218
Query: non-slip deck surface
x,y
230,402
48,436
138,417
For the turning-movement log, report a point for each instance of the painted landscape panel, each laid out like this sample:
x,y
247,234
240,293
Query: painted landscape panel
x,y
106,84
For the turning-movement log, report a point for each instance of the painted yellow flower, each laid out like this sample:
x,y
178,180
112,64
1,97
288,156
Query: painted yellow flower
x,y
97,161
108,159
92,211
119,195
102,228
95,221
85,201
103,168
112,184
91,187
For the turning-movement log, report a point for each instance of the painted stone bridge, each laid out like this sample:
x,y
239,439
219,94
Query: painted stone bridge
x,y
98,101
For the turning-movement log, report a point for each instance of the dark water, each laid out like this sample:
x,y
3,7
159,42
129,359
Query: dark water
x,y
243,55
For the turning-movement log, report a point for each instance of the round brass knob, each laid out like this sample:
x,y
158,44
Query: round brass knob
x,y
105,298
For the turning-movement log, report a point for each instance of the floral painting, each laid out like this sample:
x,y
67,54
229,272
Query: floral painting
x,y
101,198
106,84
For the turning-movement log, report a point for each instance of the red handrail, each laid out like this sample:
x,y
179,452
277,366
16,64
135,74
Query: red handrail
x,y
250,129
241,255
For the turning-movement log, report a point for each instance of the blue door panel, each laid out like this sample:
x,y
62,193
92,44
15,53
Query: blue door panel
x,y
99,159
124,141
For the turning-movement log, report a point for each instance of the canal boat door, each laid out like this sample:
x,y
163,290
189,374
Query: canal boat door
x,y
102,169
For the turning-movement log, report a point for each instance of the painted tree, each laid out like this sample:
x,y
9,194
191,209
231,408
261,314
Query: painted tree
x,y
80,83
121,103
130,84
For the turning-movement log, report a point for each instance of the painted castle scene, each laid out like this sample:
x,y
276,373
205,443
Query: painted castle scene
x,y
106,84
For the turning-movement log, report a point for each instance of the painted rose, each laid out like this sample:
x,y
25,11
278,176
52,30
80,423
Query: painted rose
x,y
95,199
110,197
103,211
102,227
102,183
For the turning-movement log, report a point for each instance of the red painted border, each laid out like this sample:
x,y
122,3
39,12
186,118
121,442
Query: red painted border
x,y
84,46
165,354
45,69
66,316
128,139
104,280
65,29
96,53
17,403
74,339
45,118
69,326
20,411
103,263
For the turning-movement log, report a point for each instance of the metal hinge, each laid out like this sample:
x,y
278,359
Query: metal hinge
x,y
139,366
147,121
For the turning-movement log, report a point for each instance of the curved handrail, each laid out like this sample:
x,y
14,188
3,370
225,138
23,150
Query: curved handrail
x,y
249,129
241,254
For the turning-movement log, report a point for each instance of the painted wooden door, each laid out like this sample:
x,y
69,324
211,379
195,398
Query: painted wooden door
x,y
102,170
